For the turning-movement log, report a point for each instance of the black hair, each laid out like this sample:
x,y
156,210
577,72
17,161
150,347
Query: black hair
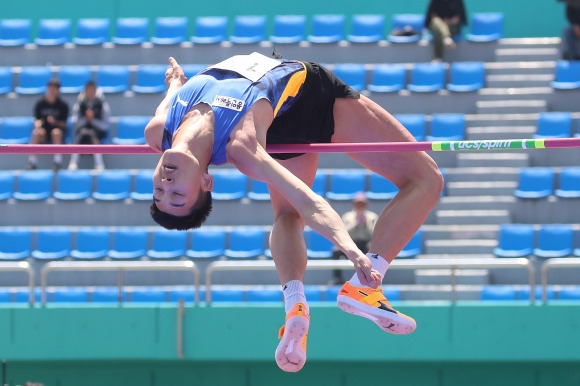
x,y
199,213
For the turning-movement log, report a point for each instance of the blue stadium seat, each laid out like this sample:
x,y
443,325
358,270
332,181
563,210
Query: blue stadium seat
x,y
52,243
227,294
15,32
113,78
92,31
263,294
5,80
388,78
406,22
288,29
53,32
345,183
515,240
130,130
5,295
466,76
68,295
353,74
327,28
554,124
245,242
535,182
22,295
414,247
129,243
319,183
34,185
447,127
258,191
569,293
380,188
569,183
107,295
148,295
150,78
167,244
6,184
207,243
554,240
416,124
112,185
427,77
143,185
74,78
313,293
524,293
187,294
366,28
73,185
33,80
192,69
498,293
131,30
567,75
92,243
170,30
15,243
317,246
486,27
249,29
16,129
229,185
210,29
331,293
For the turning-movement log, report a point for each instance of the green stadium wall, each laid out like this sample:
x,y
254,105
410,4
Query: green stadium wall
x,y
459,344
523,18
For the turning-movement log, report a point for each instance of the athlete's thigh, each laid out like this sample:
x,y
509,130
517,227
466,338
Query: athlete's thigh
x,y
362,120
303,167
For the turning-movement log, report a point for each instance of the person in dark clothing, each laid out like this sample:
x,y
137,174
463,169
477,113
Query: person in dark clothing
x,y
572,32
444,18
50,116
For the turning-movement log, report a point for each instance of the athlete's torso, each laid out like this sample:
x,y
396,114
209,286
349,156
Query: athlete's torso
x,y
230,96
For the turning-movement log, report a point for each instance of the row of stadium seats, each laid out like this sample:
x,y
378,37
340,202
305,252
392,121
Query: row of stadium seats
x,y
540,182
256,294
544,241
321,28
129,243
230,184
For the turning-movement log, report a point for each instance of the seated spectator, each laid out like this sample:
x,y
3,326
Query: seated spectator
x,y
51,114
444,19
572,32
91,114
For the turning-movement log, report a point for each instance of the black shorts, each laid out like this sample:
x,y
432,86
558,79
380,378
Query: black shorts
x,y
310,119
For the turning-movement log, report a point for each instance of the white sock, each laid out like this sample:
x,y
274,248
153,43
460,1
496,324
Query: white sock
x,y
98,159
378,263
293,293
74,158
32,159
57,158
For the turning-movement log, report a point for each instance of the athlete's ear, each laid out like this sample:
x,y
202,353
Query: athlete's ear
x,y
206,182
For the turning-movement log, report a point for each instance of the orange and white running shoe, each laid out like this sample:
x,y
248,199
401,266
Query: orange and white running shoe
x,y
372,304
291,351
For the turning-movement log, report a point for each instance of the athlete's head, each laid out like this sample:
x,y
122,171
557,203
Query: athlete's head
x,y
181,191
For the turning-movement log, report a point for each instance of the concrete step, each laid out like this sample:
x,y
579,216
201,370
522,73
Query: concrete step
x,y
443,276
518,80
491,159
439,292
508,119
519,67
452,232
521,106
505,202
496,216
481,174
519,92
477,188
500,132
532,54
531,42
459,246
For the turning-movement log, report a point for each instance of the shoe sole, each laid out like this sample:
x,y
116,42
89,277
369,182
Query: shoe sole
x,y
391,322
290,356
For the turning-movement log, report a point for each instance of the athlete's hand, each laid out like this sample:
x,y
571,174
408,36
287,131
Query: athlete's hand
x,y
366,274
174,73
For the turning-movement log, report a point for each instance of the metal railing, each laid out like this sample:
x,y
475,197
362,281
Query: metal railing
x,y
452,264
555,263
21,266
120,267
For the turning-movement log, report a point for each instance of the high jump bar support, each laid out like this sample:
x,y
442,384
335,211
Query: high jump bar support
x,y
436,146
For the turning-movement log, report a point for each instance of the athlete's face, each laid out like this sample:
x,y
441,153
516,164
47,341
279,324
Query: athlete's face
x,y
176,183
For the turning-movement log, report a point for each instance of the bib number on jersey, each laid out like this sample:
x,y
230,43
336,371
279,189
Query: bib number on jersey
x,y
228,103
